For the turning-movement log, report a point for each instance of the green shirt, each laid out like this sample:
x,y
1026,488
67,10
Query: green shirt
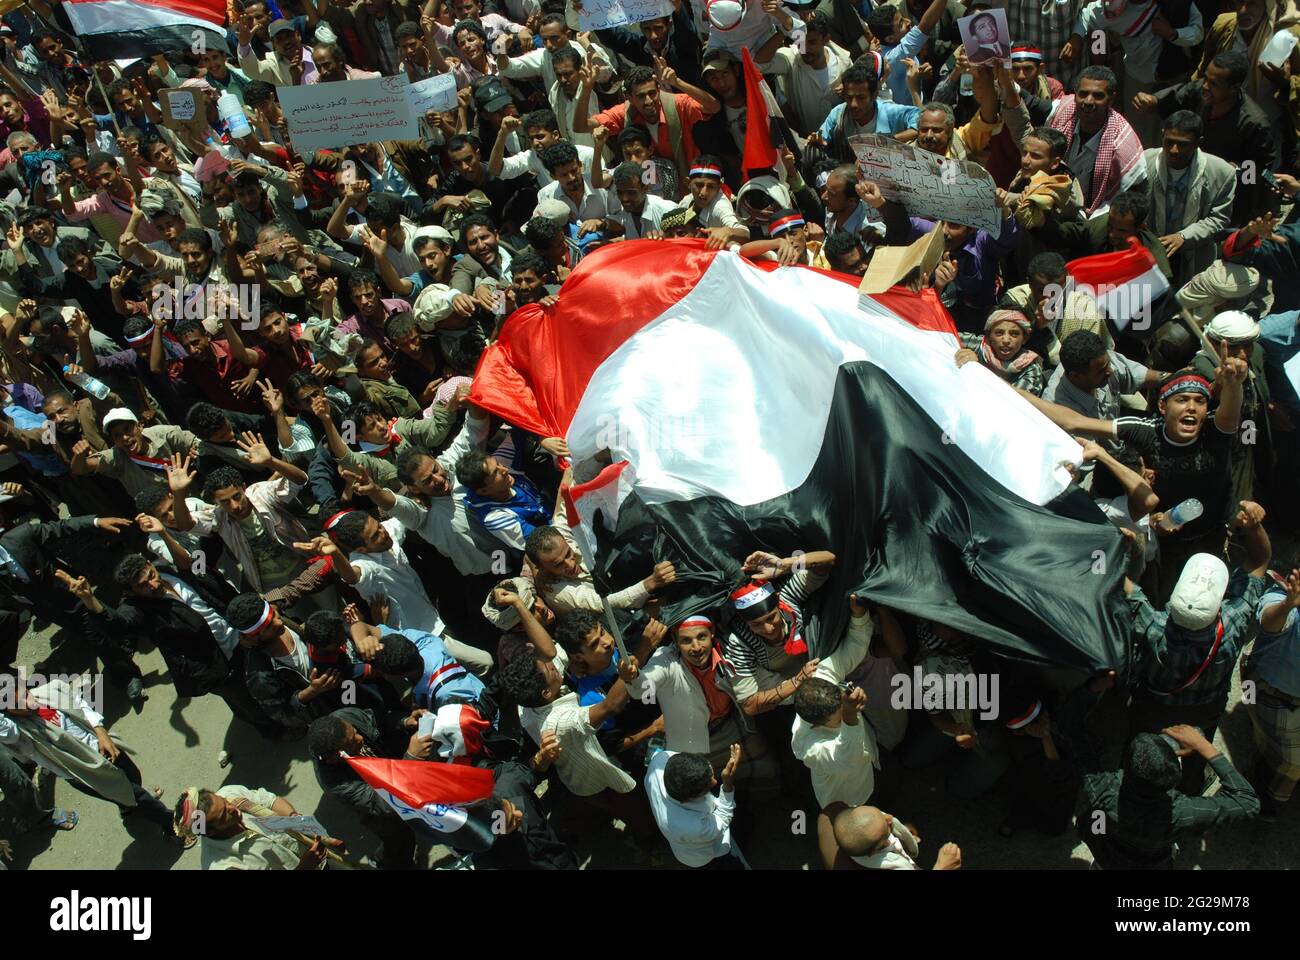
x,y
276,563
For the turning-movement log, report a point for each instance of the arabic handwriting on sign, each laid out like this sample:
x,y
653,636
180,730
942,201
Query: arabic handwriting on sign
x,y
603,14
929,186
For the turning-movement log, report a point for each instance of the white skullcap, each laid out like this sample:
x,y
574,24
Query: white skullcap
x,y
1233,325
1197,596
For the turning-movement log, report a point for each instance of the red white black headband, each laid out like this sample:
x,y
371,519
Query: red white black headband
x,y
1189,383
706,170
1026,51
333,521
141,337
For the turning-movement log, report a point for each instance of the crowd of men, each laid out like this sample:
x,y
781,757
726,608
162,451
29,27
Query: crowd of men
x,y
237,429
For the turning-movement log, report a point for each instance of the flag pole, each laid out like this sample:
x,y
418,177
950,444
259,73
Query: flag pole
x,y
107,102
1205,341
611,623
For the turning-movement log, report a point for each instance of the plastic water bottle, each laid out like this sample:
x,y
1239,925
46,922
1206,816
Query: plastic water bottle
x,y
967,84
232,111
96,388
1181,515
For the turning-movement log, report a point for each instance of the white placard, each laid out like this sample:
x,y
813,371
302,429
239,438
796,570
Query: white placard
x,y
929,186
434,93
182,104
603,14
347,112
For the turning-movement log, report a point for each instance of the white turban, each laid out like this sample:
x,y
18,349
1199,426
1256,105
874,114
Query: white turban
x,y
1233,325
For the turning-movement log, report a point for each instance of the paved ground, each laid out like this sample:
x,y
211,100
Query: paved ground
x,y
176,744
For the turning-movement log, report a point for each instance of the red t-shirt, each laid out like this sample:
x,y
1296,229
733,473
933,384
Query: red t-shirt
x,y
278,366
213,379
690,112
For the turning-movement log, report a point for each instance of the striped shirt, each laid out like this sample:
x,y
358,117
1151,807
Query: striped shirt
x,y
510,521
1168,654
749,652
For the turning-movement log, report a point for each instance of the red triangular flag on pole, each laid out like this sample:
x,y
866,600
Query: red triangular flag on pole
x,y
760,152
423,782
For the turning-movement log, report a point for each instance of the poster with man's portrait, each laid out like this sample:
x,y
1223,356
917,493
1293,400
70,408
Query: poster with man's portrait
x,y
986,36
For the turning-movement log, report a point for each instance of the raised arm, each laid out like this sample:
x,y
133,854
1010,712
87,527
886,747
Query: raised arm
x,y
1230,376
321,409
668,80
235,342
1071,421
1141,498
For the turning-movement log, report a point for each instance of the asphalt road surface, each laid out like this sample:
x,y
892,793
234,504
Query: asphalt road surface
x,y
176,744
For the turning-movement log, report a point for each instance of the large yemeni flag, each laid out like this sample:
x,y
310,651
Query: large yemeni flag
x,y
115,29
746,406
1124,283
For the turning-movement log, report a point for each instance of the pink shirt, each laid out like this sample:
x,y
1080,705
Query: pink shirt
x,y
120,210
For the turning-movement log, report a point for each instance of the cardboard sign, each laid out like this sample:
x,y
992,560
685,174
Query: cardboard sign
x,y
889,265
929,186
603,14
323,116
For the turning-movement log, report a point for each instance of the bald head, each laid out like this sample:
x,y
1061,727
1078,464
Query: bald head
x,y
861,831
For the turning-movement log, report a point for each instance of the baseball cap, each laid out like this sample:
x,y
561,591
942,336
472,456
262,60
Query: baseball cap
x,y
119,415
491,95
719,58
1198,595
553,209
279,26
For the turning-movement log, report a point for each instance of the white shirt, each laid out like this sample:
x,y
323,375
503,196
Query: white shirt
x,y
720,213
403,258
390,575
444,522
634,228
699,831
843,760
530,162
583,767
893,857
255,848
595,205
227,637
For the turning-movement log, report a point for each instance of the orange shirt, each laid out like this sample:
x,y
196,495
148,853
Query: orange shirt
x,y
690,112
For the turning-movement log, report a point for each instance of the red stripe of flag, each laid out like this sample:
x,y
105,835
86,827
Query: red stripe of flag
x,y
419,783
525,379
760,152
